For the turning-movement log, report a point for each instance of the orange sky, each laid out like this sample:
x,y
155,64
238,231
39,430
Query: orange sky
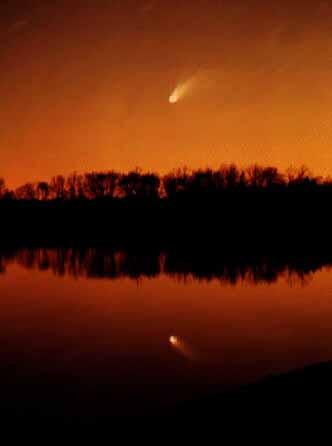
x,y
86,86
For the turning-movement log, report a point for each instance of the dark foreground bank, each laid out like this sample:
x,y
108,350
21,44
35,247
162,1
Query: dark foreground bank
x,y
305,392
262,221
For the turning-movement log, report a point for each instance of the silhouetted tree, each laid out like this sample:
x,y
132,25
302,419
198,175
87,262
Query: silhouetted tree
x,y
302,179
57,187
297,175
232,176
74,186
43,190
202,182
219,179
2,187
270,177
177,182
94,185
150,184
255,176
111,183
130,183
25,192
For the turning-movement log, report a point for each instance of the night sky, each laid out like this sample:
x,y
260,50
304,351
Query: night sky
x,y
86,85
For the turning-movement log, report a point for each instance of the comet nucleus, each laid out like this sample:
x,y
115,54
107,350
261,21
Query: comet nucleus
x,y
173,98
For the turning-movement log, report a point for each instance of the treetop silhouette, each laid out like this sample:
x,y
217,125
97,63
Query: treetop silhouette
x,y
179,182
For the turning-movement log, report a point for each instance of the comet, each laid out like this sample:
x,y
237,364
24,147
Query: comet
x,y
202,80
182,347
182,90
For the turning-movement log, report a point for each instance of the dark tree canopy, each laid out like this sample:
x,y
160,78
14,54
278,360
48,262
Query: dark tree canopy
x,y
178,183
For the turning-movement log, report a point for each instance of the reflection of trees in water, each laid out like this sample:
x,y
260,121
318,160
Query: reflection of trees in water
x,y
86,262
184,266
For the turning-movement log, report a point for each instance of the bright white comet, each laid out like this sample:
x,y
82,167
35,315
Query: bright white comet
x,y
182,90
202,80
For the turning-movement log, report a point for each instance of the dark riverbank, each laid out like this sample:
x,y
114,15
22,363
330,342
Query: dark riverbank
x,y
304,392
263,222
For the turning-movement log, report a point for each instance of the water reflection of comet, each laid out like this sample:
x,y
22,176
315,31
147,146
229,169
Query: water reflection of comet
x,y
182,347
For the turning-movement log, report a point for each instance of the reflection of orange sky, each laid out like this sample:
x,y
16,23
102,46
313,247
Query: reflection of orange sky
x,y
89,89
241,332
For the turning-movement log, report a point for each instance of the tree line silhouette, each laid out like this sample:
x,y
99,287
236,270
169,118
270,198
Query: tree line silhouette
x,y
180,182
252,209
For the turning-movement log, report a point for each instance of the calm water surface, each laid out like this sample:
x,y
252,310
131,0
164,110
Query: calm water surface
x,y
92,331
